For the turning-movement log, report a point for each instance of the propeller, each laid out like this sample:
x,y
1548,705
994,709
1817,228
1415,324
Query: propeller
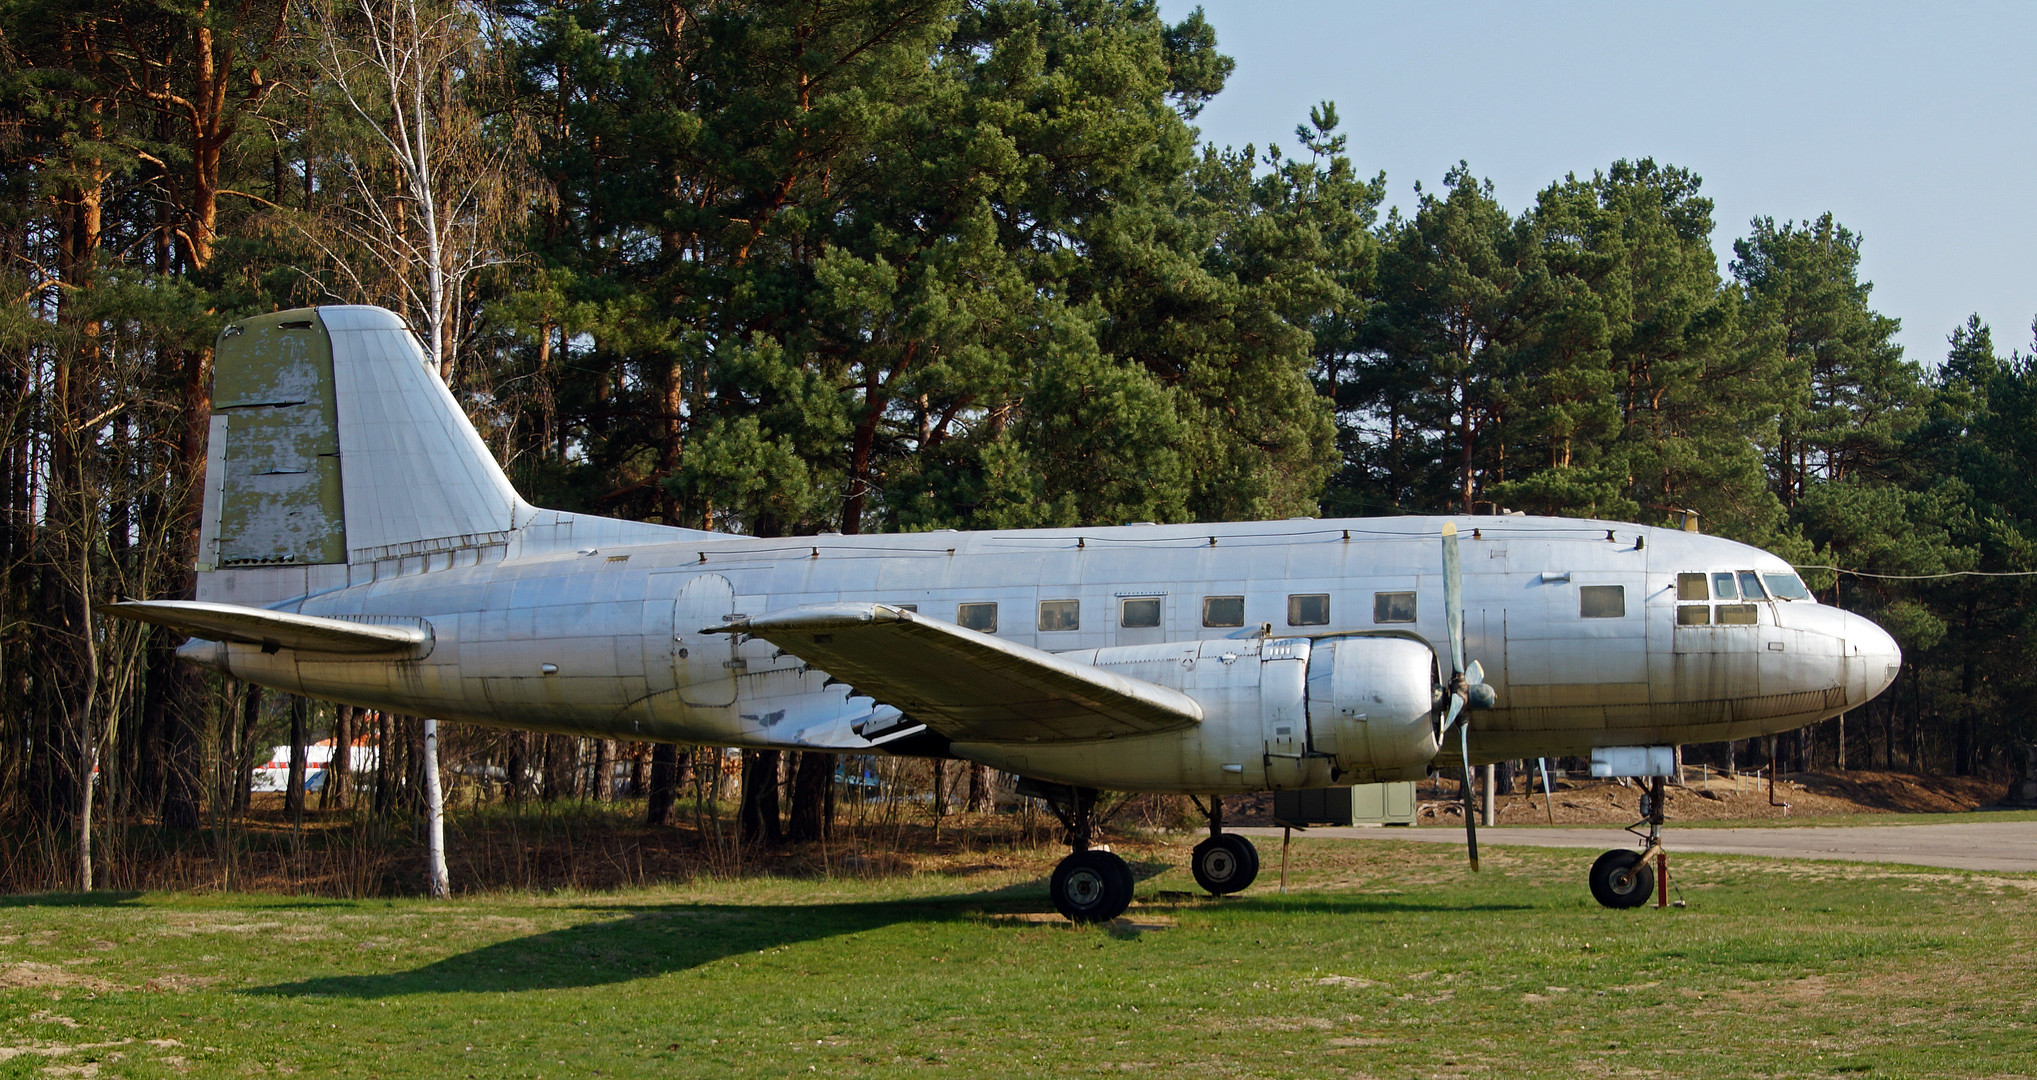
x,y
1467,681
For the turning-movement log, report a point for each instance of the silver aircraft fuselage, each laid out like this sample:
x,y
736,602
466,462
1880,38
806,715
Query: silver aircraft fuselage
x,y
1590,633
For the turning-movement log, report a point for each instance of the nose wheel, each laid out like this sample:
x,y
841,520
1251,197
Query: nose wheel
x,y
1623,879
1620,879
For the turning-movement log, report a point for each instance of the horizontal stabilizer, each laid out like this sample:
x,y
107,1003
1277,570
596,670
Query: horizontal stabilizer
x,y
965,684
273,630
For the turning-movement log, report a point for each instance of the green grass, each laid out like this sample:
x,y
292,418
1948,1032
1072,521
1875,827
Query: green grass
x,y
1969,817
1382,960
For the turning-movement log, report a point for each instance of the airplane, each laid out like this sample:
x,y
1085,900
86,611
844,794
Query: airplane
x,y
360,543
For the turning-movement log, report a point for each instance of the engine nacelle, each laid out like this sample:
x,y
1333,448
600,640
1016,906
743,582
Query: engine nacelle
x,y
1372,707
1278,713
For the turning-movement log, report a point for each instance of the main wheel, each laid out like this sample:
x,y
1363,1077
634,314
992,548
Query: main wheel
x,y
1619,879
1225,863
1091,886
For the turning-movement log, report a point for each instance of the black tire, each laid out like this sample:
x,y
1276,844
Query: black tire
x,y
1091,887
1224,864
1619,879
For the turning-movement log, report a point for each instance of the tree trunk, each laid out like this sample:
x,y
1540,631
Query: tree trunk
x,y
979,789
604,770
664,789
758,816
811,777
244,779
437,884
293,792
339,771
636,770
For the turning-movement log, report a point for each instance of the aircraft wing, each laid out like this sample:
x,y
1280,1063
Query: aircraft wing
x,y
968,685
271,630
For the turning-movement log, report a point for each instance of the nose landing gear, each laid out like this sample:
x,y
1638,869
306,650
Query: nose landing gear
x,y
1622,878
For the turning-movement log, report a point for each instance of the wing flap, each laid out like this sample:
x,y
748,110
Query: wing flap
x,y
965,684
273,630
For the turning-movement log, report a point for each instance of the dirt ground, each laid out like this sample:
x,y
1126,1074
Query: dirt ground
x,y
603,848
1703,796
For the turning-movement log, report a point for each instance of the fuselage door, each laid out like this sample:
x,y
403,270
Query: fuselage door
x,y
704,664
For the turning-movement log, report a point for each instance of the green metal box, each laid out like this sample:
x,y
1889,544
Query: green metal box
x,y
1364,804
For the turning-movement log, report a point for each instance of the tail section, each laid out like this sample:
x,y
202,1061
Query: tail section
x,y
337,455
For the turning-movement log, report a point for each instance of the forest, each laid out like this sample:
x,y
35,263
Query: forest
x,y
885,265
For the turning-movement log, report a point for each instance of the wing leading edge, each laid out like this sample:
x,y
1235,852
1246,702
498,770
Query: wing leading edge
x,y
273,629
965,684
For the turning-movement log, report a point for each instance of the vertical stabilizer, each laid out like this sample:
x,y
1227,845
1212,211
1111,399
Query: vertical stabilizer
x,y
417,476
337,456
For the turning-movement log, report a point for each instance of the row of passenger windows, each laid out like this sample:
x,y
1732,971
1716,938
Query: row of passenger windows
x,y
1221,612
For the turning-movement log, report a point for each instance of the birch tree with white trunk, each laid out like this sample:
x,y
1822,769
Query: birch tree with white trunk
x,y
431,191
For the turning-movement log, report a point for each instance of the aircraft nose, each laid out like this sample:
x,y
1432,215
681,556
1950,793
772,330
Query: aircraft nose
x,y
1872,661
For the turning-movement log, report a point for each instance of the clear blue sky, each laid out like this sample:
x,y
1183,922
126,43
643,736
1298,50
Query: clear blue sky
x,y
1915,125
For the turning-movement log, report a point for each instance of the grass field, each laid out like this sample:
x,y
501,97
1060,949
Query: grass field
x,y
1382,960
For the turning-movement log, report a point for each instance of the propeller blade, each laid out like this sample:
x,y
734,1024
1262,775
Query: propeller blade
x,y
1463,677
1453,598
1470,816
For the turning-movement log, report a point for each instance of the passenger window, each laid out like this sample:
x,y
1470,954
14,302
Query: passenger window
x,y
1223,611
1736,615
1308,609
977,617
1722,587
1139,612
1393,607
1060,615
1750,586
1786,587
1694,615
1691,587
1602,601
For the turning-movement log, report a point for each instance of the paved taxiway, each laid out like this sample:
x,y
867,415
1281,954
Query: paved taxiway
x,y
1983,845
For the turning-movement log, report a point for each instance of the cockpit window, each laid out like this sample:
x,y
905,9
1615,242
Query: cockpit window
x,y
1737,615
1786,586
1750,586
1691,587
1722,587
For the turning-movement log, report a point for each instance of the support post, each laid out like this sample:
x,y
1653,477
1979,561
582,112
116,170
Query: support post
x,y
1485,781
1657,810
1286,837
439,885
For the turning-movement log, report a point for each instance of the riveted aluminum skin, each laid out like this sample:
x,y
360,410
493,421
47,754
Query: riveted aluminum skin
x,y
1197,657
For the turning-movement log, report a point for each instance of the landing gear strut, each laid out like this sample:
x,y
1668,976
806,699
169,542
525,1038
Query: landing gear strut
x,y
1089,886
1226,862
1622,878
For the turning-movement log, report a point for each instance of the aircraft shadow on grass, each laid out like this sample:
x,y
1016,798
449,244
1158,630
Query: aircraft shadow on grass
x,y
645,941
102,898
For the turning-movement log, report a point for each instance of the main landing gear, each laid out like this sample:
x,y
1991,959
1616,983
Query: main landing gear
x,y
1622,878
1089,886
1092,886
1226,862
